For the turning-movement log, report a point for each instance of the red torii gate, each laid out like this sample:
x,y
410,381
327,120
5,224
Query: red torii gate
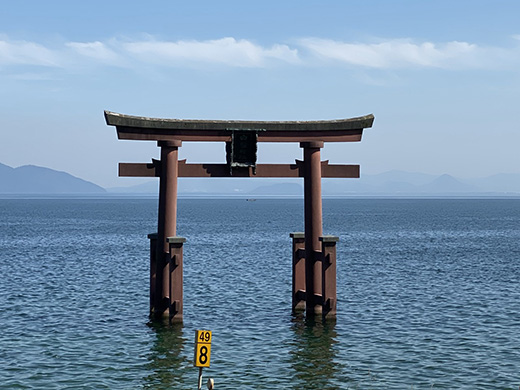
x,y
314,255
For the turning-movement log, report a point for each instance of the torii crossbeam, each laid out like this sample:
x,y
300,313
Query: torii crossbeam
x,y
314,255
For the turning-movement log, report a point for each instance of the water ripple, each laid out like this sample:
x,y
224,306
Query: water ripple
x,y
427,296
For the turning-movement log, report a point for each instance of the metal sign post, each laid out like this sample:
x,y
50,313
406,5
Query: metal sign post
x,y
202,352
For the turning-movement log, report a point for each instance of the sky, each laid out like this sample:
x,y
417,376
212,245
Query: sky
x,y
442,79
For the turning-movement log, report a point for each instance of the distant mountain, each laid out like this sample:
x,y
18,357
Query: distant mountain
x,y
219,186
392,183
401,177
38,180
446,184
30,179
151,187
288,189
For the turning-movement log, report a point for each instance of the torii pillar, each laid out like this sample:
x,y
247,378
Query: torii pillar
x,y
313,223
167,275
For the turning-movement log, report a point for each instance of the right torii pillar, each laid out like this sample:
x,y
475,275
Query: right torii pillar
x,y
314,255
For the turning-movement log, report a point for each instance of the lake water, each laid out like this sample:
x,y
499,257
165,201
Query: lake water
x,y
428,296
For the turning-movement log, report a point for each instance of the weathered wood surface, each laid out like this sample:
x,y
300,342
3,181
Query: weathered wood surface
x,y
222,170
154,129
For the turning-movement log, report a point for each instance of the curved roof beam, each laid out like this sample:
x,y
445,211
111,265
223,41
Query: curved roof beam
x,y
156,129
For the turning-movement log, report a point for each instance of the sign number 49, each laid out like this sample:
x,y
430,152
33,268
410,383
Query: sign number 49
x,y
203,336
202,348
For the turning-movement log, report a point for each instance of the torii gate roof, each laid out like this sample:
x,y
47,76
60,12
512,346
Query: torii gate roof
x,y
155,129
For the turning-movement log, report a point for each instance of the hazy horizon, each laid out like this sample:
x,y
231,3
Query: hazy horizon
x,y
31,179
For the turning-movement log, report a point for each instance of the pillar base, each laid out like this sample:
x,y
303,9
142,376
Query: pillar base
x,y
323,304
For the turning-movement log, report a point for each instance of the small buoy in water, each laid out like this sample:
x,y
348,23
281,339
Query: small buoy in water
x,y
211,384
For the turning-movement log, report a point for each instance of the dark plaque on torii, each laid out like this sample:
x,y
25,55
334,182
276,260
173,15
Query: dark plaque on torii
x,y
314,255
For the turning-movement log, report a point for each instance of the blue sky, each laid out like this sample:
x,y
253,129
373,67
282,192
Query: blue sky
x,y
441,77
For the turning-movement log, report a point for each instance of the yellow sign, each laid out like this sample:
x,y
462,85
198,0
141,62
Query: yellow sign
x,y
202,348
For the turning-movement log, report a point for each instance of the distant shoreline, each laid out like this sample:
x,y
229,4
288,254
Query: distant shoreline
x,y
248,196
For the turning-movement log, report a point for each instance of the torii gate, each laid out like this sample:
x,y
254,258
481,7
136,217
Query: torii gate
x,y
314,255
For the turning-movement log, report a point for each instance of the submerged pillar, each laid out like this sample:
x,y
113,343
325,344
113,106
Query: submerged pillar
x,y
176,278
313,226
153,268
298,271
167,224
328,261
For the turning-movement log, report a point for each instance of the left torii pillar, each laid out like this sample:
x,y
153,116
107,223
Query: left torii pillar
x,y
167,281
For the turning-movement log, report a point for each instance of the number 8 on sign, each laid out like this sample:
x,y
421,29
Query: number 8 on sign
x,y
202,348
202,355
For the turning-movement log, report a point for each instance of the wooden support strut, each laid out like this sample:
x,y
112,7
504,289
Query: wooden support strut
x,y
297,169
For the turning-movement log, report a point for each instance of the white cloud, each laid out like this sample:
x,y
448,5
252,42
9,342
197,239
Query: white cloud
x,y
231,52
97,51
226,51
26,53
406,54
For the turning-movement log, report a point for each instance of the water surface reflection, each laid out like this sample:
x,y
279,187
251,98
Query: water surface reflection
x,y
313,355
167,363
